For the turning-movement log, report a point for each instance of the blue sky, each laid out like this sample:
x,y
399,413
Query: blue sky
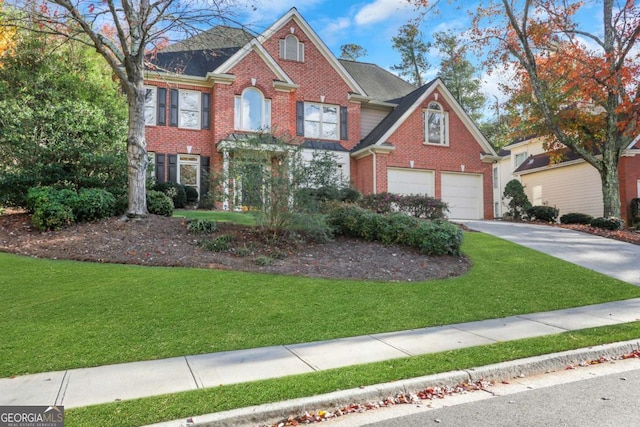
x,y
372,23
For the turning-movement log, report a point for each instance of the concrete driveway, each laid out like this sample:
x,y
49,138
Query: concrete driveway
x,y
611,257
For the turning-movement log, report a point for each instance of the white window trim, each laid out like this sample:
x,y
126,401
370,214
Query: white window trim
x,y
195,163
181,109
151,166
265,113
516,165
321,106
444,126
299,48
153,107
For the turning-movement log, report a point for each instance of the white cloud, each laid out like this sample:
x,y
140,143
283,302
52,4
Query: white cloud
x,y
382,10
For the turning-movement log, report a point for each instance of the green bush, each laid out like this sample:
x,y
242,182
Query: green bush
x,y
422,206
202,226
191,195
159,203
175,191
94,203
311,227
350,195
431,237
380,202
543,213
52,215
218,244
576,218
37,196
611,223
518,201
263,261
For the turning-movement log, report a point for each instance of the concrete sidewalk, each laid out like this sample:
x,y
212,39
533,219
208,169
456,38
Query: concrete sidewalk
x,y
88,386
607,256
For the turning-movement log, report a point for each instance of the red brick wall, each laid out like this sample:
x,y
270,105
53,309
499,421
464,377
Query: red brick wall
x,y
628,174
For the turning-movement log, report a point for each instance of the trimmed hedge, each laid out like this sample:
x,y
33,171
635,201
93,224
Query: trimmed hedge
x,y
576,218
611,223
431,237
543,213
94,203
52,215
177,193
416,205
191,194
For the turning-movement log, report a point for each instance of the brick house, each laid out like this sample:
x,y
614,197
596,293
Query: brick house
x,y
207,94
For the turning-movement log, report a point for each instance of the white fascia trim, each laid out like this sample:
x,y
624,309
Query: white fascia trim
x,y
225,79
549,167
155,76
322,47
372,149
254,46
284,86
631,152
633,142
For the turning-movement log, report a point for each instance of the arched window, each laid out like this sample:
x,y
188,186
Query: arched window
x,y
252,111
291,48
436,125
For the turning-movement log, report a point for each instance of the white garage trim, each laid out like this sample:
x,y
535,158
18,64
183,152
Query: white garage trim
x,y
410,181
463,193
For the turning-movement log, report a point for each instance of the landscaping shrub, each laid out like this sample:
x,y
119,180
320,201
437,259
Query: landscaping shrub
x,y
94,203
311,227
52,215
543,213
202,226
422,206
159,203
218,244
37,196
518,202
576,218
611,223
380,202
431,237
175,191
351,195
191,195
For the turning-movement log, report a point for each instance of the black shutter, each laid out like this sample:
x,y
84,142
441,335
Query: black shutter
x,y
344,128
300,118
206,111
205,167
162,107
160,168
173,167
173,108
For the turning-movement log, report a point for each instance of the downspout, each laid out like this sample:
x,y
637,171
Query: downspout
x,y
375,173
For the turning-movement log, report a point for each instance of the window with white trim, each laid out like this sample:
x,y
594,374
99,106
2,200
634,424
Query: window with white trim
x,y
518,159
189,109
321,121
495,177
436,124
189,170
150,105
291,48
252,111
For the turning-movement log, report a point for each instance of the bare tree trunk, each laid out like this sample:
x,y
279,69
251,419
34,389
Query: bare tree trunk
x,y
610,183
137,151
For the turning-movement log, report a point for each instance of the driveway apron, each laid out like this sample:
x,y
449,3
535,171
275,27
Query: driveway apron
x,y
607,256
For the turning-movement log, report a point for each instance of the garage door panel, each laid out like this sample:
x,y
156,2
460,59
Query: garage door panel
x,y
410,181
463,193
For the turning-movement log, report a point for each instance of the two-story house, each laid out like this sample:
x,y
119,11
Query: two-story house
x,y
208,94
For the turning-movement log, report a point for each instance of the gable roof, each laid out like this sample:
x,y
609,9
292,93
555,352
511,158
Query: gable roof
x,y
379,135
543,160
193,62
218,37
377,82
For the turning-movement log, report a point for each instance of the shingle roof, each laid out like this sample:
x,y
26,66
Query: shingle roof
x,y
377,82
391,118
193,62
544,159
219,37
323,145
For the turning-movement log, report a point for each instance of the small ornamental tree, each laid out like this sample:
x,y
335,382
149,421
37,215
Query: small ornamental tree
x,y
517,199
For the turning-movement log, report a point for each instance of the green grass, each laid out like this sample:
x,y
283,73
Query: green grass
x,y
61,314
183,405
243,218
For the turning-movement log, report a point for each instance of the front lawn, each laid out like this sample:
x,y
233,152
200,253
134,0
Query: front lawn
x,y
62,314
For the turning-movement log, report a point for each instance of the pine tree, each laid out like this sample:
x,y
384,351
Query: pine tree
x,y
413,51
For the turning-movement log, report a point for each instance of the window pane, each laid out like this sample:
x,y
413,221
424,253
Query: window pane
x,y
189,175
434,129
189,101
251,110
311,129
329,131
312,112
267,114
150,106
330,114
189,119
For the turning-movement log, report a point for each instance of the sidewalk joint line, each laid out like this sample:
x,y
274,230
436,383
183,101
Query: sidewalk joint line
x,y
62,391
314,368
392,346
193,375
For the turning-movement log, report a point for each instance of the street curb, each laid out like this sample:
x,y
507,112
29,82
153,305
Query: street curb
x,y
271,413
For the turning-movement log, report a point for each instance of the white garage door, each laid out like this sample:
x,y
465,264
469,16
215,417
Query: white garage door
x,y
463,193
410,181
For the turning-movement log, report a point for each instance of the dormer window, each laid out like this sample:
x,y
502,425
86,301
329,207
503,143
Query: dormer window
x,y
436,125
291,48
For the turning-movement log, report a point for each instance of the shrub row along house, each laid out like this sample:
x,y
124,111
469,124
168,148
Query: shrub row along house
x,y
210,93
571,185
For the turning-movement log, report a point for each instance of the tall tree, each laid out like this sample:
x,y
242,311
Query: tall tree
x,y
413,52
352,51
62,118
578,88
459,74
124,32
